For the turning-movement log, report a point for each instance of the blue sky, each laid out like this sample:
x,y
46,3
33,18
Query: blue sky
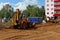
x,y
41,2
22,3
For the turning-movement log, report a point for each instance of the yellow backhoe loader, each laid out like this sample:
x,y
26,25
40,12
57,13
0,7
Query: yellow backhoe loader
x,y
17,21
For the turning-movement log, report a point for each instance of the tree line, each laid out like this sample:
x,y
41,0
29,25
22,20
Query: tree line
x,y
34,11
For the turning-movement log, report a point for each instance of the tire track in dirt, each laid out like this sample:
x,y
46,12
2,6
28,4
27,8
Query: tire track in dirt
x,y
47,32
30,37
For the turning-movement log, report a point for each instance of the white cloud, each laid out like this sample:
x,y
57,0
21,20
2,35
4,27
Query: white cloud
x,y
1,6
31,2
21,5
39,6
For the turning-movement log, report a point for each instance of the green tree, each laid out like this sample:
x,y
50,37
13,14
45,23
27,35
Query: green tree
x,y
34,11
5,13
2,13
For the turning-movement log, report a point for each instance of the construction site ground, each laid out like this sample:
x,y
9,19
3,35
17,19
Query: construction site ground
x,y
48,31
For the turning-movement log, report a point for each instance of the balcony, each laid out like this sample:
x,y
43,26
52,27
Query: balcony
x,y
56,9
56,12
56,0
57,5
56,15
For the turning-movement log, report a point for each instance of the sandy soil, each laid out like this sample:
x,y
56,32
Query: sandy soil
x,y
47,31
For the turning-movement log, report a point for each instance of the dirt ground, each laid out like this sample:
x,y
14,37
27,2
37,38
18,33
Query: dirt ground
x,y
46,31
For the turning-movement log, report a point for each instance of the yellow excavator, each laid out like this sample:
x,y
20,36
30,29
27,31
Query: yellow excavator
x,y
18,21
